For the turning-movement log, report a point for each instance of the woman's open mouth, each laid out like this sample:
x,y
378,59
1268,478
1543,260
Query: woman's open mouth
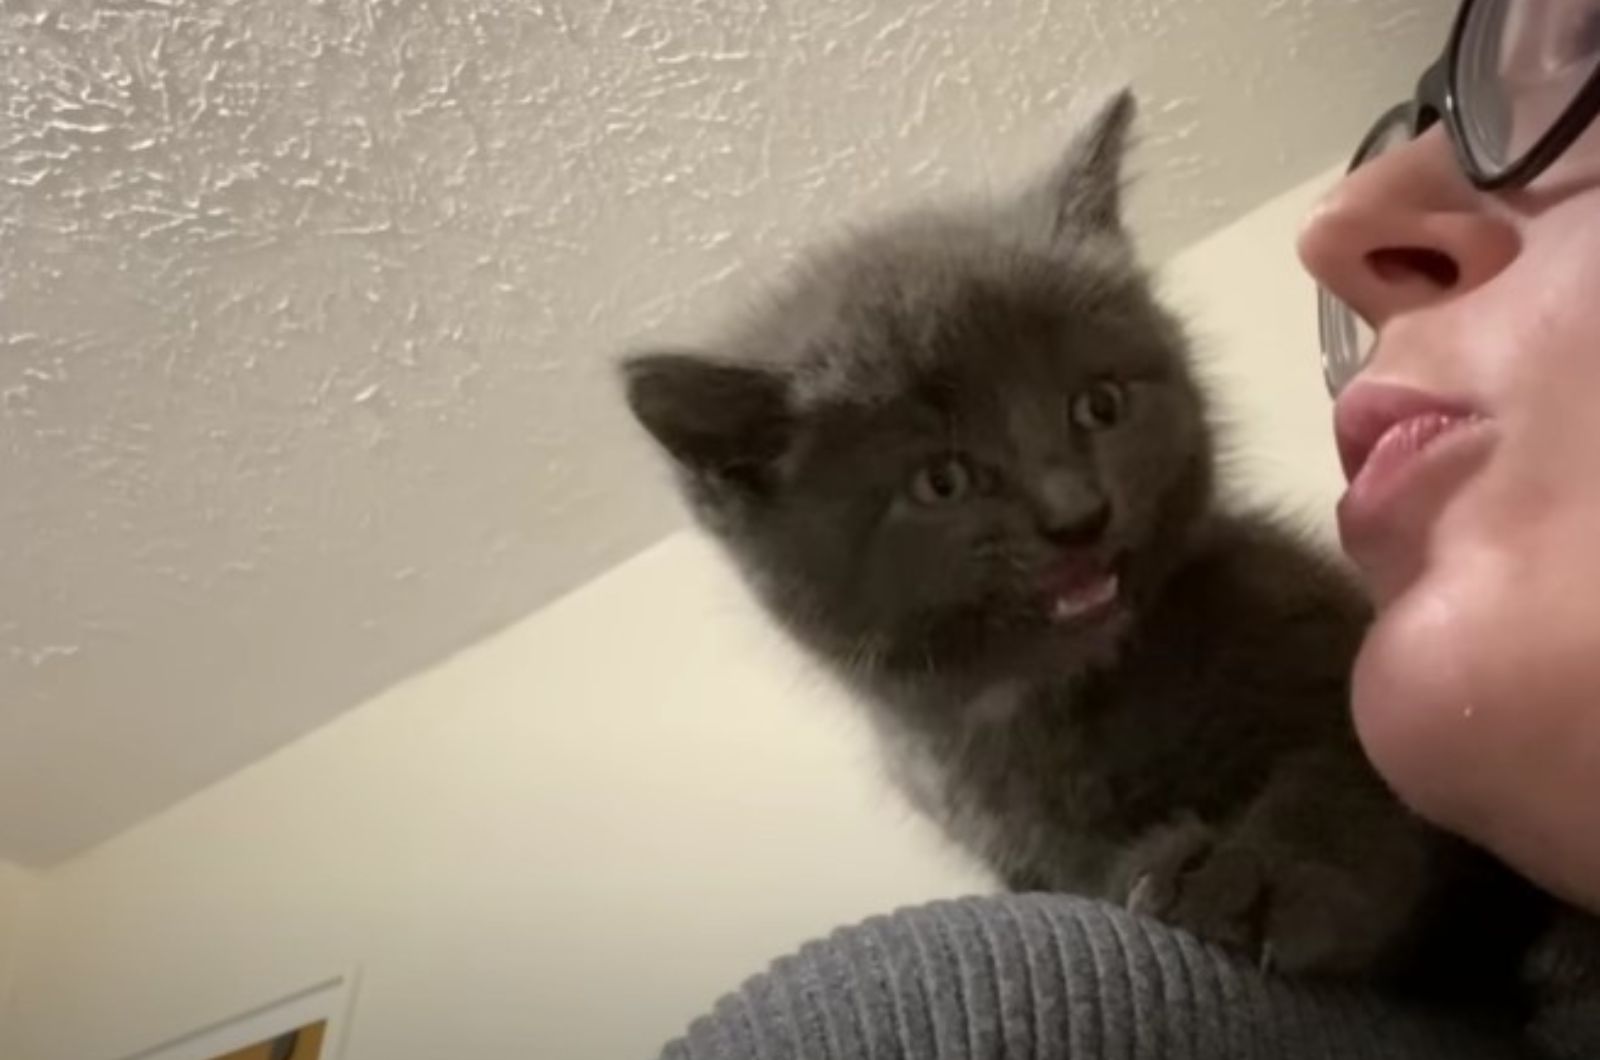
x,y
1393,442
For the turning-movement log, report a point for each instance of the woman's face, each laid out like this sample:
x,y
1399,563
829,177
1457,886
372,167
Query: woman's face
x,y
1473,439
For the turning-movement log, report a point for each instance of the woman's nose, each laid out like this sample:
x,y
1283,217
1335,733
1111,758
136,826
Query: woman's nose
x,y
1404,231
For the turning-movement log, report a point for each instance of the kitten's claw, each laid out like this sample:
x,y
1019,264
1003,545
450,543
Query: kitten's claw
x,y
1269,959
1141,897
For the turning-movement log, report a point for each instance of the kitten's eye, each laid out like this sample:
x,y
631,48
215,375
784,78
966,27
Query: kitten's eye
x,y
943,480
1100,407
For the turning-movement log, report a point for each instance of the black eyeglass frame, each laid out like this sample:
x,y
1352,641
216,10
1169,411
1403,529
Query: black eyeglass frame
x,y
1437,98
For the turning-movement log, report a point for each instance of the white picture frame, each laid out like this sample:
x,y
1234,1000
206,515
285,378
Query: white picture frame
x,y
328,1000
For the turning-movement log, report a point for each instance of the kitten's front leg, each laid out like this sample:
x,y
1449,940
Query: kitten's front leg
x,y
1323,872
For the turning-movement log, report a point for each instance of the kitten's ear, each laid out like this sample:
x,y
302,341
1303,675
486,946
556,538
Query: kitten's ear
x,y
1085,190
713,417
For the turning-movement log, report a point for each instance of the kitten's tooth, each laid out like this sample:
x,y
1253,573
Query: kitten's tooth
x,y
1083,600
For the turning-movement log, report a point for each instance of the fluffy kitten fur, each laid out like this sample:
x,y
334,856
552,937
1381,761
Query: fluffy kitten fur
x,y
962,459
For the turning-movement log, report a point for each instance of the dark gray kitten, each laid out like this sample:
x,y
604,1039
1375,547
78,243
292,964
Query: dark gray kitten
x,y
963,460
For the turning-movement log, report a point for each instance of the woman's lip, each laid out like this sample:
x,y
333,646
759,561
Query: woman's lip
x,y
1368,411
1392,439
1392,466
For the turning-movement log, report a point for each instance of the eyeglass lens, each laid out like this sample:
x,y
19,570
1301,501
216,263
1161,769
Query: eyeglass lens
x,y
1519,65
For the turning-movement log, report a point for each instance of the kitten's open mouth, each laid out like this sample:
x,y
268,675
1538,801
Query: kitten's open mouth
x,y
1079,586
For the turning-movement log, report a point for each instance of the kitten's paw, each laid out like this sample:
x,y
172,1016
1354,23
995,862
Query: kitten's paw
x,y
1184,875
1150,879
1288,916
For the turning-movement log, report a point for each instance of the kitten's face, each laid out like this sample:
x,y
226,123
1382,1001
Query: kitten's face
x,y
950,447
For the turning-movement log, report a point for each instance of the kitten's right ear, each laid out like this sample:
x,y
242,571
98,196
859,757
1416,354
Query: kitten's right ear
x,y
714,417
1086,187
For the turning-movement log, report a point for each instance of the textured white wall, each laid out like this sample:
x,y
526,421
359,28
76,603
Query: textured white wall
x,y
568,840
305,304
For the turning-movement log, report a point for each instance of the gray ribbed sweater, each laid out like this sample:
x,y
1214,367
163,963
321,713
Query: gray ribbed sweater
x,y
1036,977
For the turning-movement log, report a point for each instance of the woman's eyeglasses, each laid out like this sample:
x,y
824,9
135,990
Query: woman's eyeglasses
x,y
1518,82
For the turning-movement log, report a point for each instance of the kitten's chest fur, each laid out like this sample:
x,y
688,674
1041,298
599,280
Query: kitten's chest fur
x,y
1015,783
1237,663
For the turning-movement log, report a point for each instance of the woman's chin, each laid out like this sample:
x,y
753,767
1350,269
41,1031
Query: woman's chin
x,y
1474,726
1415,713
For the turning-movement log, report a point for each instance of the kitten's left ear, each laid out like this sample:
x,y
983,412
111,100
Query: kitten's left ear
x,y
1085,190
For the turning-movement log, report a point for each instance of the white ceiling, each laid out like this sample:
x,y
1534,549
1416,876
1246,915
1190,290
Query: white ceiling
x,y
306,307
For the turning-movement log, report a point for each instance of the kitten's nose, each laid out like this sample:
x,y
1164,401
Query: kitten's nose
x,y
1070,511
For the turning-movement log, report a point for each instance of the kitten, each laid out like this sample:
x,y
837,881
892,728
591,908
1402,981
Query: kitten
x,y
963,459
